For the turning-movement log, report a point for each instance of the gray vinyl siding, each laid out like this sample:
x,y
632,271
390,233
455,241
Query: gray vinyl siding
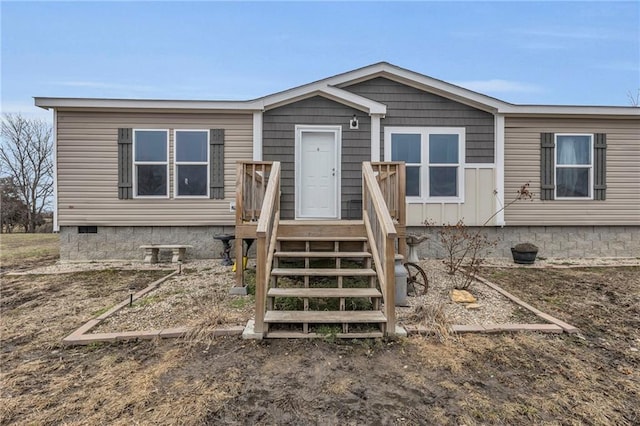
x,y
522,165
408,106
87,162
279,145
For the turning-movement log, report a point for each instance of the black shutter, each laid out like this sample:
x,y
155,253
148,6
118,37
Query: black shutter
x,y
216,163
125,164
547,166
600,166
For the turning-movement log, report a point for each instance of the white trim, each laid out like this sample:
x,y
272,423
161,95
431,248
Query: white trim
x,y
571,110
499,159
385,69
177,163
479,166
257,136
375,137
330,87
56,226
574,166
134,163
371,106
46,103
425,164
337,131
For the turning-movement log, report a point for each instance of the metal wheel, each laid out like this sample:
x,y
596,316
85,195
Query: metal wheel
x,y
417,282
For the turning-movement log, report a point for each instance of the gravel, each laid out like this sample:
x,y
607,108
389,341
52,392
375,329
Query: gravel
x,y
199,296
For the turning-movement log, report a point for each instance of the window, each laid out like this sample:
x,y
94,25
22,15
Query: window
x,y
191,163
407,147
433,158
151,167
574,166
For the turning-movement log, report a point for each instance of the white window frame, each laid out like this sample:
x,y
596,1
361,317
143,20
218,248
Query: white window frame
x,y
177,163
573,166
425,163
142,163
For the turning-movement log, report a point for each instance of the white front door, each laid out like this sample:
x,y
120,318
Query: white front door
x,y
317,192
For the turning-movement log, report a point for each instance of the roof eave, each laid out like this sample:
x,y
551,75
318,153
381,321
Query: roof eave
x,y
570,110
148,104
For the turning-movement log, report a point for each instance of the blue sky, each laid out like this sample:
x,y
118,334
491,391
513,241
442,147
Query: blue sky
x,y
521,52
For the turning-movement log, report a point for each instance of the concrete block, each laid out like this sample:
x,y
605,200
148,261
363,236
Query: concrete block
x,y
239,291
228,331
249,332
400,331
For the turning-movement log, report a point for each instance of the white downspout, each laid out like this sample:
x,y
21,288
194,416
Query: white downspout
x,y
257,136
375,137
500,200
56,227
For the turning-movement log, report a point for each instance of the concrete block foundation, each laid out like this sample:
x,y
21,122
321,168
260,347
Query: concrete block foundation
x,y
123,242
552,241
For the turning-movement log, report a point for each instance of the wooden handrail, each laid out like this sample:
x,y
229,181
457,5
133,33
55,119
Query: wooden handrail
x,y
391,177
252,179
266,233
381,234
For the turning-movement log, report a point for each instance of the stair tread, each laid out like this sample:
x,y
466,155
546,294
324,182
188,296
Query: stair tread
x,y
329,254
299,335
322,222
324,317
322,238
324,272
324,292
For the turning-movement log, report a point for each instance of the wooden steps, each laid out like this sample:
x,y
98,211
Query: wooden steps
x,y
319,238
324,269
323,254
324,317
312,335
323,292
322,272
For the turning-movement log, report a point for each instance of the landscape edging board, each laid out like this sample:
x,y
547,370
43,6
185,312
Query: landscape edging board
x,y
79,336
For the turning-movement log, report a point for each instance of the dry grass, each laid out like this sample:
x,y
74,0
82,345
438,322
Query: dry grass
x,y
593,379
23,251
434,318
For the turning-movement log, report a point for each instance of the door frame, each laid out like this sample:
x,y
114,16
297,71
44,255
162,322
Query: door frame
x,y
337,134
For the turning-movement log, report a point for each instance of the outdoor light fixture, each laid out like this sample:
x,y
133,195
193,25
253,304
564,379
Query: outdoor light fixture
x,y
132,287
353,124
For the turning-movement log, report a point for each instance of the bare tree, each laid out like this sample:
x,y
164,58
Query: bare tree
x,y
634,100
13,211
26,157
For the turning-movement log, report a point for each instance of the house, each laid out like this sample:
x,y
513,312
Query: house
x,y
336,172
132,172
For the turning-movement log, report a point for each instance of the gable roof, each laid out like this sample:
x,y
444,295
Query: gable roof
x,y
334,88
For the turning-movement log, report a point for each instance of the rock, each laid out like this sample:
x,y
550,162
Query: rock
x,y
462,296
472,306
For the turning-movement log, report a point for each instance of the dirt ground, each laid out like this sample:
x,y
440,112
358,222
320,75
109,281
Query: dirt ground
x,y
592,378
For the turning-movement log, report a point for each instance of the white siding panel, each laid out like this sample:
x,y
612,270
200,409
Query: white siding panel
x,y
478,205
88,169
522,164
